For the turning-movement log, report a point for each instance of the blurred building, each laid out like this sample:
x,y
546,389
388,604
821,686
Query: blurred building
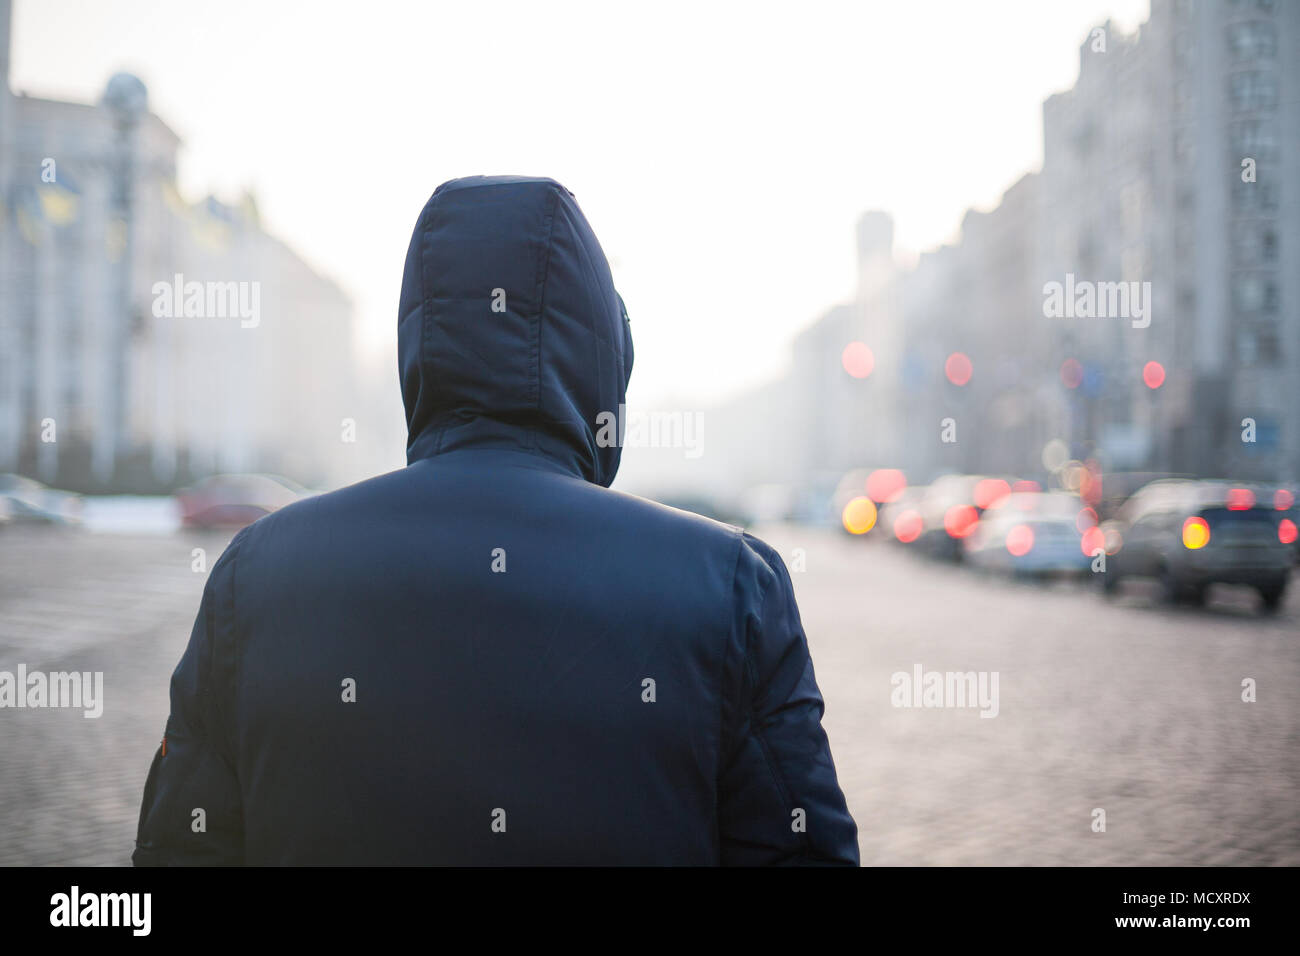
x,y
140,393
1175,160
1173,165
847,402
977,393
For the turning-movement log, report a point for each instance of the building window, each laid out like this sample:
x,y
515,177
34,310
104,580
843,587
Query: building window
x,y
1254,198
1253,243
1255,40
1254,292
1252,90
1255,139
1256,343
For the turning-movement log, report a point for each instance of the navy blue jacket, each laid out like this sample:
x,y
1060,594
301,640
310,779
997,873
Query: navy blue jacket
x,y
489,656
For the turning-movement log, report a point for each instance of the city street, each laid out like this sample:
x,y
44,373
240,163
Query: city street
x,y
1127,705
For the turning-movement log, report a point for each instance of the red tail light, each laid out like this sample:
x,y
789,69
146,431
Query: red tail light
x,y
1241,499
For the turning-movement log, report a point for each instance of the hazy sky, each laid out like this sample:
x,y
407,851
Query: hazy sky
x,y
721,151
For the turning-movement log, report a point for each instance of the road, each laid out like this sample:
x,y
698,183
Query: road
x,y
1126,706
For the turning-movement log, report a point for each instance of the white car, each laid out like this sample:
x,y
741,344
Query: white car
x,y
29,501
1035,533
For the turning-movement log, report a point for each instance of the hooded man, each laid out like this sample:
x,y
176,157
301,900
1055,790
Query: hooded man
x,y
489,657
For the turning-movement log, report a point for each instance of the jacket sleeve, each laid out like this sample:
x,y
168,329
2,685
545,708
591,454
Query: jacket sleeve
x,y
193,768
779,799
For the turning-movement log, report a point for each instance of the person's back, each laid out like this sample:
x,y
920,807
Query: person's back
x,y
489,657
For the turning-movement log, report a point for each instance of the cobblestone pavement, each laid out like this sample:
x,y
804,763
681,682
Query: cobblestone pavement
x,y
1128,706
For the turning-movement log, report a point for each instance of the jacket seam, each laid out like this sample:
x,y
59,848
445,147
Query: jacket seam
x,y
426,317
542,279
774,770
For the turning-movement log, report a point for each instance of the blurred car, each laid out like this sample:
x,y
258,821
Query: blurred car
x,y
1191,534
1285,501
1117,487
1032,533
27,500
235,500
901,517
950,511
862,495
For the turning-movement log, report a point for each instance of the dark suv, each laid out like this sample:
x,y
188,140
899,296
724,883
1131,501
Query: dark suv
x,y
1191,534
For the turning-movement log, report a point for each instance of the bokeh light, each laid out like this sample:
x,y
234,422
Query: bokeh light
x,y
859,515
1286,531
1055,454
1020,540
885,484
1153,374
1072,475
858,359
1090,482
958,368
908,526
1085,519
1094,540
989,491
1196,533
960,520
1283,500
1240,499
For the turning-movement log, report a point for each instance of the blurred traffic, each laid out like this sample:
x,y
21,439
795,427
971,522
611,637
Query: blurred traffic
x,y
223,501
1076,522
1186,535
233,501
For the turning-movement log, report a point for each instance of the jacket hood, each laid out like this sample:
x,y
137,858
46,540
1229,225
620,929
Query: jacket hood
x,y
510,332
